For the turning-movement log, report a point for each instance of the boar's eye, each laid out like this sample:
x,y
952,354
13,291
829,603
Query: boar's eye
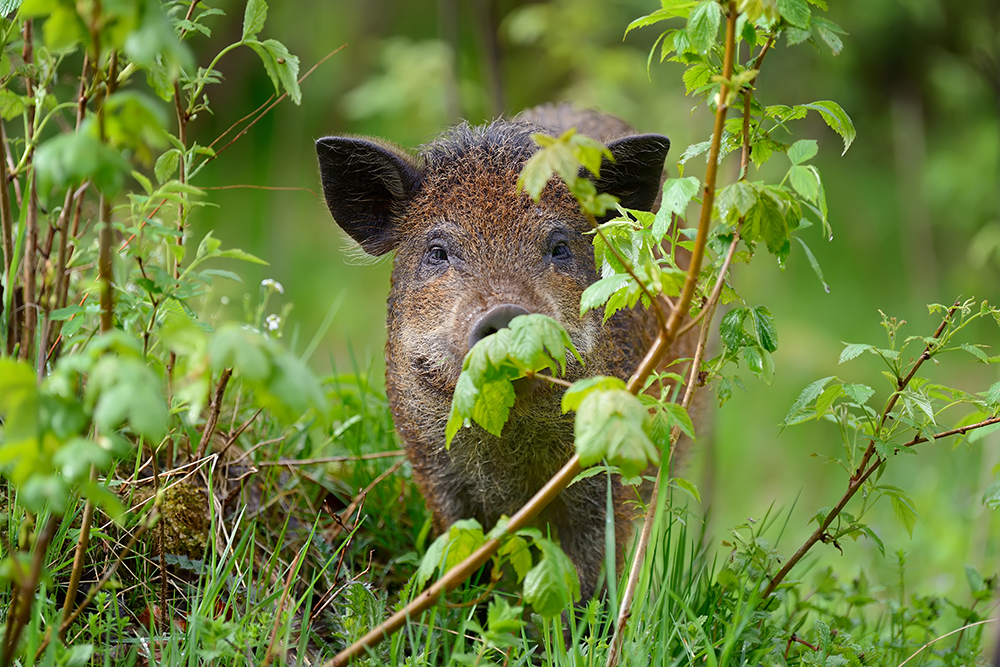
x,y
561,251
436,255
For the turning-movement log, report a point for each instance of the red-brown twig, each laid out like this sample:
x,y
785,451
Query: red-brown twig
x,y
863,471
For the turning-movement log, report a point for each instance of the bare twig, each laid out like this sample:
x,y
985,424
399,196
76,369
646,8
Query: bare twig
x,y
23,602
360,497
213,412
937,639
79,556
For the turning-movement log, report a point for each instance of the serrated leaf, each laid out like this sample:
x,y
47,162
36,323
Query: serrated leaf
x,y
673,11
853,350
731,328
830,33
767,334
687,486
598,293
677,194
740,196
552,585
609,425
808,395
518,554
678,416
703,25
991,498
977,352
805,181
992,395
575,394
802,151
902,507
281,66
166,165
836,118
859,393
795,12
874,538
253,18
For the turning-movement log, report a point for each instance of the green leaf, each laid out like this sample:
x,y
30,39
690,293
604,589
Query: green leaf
x,y
155,41
518,554
582,388
805,180
991,498
166,165
598,293
977,352
687,486
795,12
740,196
677,194
73,158
859,393
992,395
830,33
808,395
552,585
253,18
674,10
281,66
731,328
609,425
814,264
874,538
63,29
902,507
18,400
802,151
451,548
678,416
126,390
484,392
703,25
836,118
65,313
853,350
767,334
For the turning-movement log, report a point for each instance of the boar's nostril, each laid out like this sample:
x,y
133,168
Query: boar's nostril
x,y
493,320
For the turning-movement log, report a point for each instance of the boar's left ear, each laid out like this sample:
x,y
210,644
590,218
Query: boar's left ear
x,y
367,185
634,177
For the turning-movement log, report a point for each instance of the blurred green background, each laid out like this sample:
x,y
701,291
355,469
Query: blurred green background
x,y
915,207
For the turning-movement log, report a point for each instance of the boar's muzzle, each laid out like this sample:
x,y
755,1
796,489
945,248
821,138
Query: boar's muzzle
x,y
493,320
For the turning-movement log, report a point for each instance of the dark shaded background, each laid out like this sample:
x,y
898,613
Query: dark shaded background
x,y
915,207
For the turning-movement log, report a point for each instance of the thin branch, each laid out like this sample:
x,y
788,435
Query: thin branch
x,y
937,639
360,497
863,471
213,413
82,544
289,580
23,602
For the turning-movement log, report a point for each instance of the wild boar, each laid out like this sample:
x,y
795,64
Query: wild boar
x,y
471,253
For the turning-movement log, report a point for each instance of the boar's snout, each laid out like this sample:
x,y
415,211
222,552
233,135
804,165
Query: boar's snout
x,y
493,320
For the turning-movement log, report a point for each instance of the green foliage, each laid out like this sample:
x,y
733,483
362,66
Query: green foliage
x,y
485,393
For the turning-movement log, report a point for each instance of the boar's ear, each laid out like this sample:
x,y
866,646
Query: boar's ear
x,y
367,185
634,177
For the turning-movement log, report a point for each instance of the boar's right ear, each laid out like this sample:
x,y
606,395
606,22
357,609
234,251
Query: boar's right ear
x,y
367,185
634,177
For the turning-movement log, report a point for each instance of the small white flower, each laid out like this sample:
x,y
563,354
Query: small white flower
x,y
269,282
272,322
224,300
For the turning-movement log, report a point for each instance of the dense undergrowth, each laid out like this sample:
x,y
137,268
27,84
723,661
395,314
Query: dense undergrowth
x,y
179,488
